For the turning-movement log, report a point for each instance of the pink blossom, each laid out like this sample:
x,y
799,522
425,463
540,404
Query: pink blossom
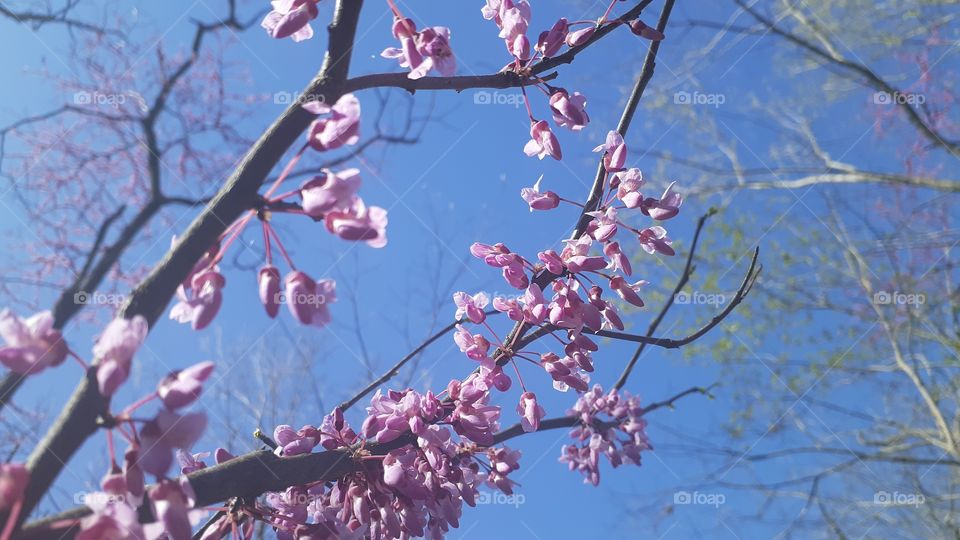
x,y
14,478
542,141
627,291
171,504
32,344
115,349
568,111
618,260
471,306
576,256
639,28
654,239
268,280
604,225
579,37
615,152
359,224
292,442
551,40
628,184
182,388
474,345
552,261
520,47
309,300
530,412
111,517
335,432
422,51
530,308
201,304
191,462
514,19
164,433
340,127
666,207
330,191
546,200
291,18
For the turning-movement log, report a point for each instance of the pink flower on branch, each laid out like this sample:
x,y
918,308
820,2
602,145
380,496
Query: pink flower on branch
x,y
32,344
291,18
542,142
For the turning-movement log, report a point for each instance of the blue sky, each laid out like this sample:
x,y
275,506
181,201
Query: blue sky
x,y
459,185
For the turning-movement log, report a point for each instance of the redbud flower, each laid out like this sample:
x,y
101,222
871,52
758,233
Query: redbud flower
x,y
538,200
604,224
618,261
514,20
551,260
530,412
201,304
359,224
615,152
576,256
627,291
13,481
269,289
292,442
655,239
542,141
629,183
182,388
568,111
171,505
474,345
580,37
422,51
666,207
166,432
115,349
308,300
191,462
291,18
639,28
471,306
32,344
330,191
551,40
111,517
340,127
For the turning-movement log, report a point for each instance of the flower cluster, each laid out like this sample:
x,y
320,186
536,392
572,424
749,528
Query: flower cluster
x,y
329,197
420,51
568,110
604,418
418,488
574,303
152,442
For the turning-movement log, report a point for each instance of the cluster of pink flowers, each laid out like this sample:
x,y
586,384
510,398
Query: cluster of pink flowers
x,y
604,417
329,197
568,110
152,444
576,304
417,489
